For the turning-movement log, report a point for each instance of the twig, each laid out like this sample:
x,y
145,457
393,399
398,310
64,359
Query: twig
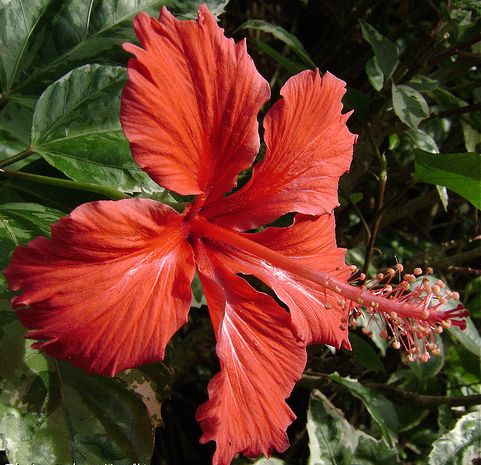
x,y
454,49
459,257
379,200
456,111
426,401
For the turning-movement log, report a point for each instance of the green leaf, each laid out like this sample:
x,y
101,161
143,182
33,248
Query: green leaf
x,y
187,9
334,441
381,409
385,51
375,74
422,140
280,33
409,105
423,83
21,222
76,129
63,412
49,38
18,27
365,354
285,62
460,445
459,172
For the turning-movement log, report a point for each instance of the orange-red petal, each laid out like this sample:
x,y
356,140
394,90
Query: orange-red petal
x,y
317,313
260,362
189,108
111,286
308,148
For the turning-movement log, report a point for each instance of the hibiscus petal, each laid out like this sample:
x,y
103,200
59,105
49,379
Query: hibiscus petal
x,y
317,314
260,362
110,288
308,148
189,108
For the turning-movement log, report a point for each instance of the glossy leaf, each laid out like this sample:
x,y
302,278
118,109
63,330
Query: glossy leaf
x,y
459,172
70,416
280,33
409,105
76,129
51,37
381,409
334,441
385,51
20,222
460,445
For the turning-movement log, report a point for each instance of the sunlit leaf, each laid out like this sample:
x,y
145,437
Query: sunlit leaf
x,y
68,415
334,441
77,130
48,38
460,445
459,172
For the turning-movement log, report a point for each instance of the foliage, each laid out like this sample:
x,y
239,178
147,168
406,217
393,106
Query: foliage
x,y
412,196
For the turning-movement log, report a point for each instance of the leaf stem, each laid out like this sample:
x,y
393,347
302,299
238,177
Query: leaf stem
x,y
19,156
107,191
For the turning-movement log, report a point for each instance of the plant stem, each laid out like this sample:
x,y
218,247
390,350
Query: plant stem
x,y
379,201
456,111
19,156
107,191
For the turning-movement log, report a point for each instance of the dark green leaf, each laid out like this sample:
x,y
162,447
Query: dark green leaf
x,y
77,130
409,105
460,445
63,412
286,63
385,51
280,33
459,172
334,441
21,222
365,354
381,409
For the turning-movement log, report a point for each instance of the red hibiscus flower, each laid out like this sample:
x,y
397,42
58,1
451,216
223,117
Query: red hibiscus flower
x,y
112,285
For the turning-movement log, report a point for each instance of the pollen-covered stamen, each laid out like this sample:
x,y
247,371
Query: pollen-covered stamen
x,y
421,314
410,314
